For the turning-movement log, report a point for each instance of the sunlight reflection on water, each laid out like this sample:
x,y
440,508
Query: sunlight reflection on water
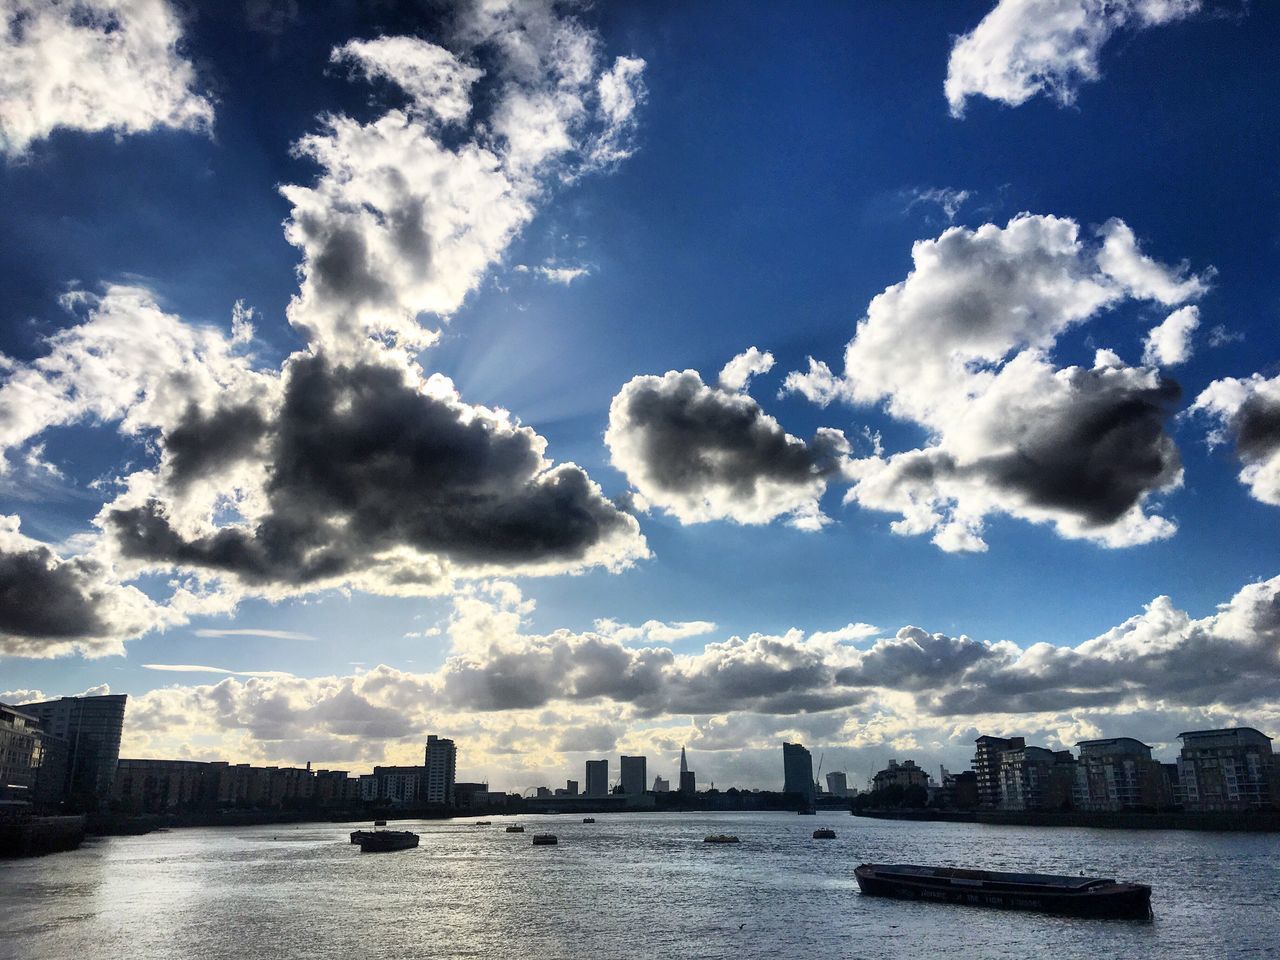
x,y
630,883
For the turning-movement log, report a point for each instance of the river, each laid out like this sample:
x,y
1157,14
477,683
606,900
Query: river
x,y
627,885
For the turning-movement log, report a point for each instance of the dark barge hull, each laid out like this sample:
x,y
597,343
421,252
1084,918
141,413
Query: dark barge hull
x,y
1046,893
384,841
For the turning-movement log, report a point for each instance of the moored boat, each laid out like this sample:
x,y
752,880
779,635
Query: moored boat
x,y
515,828
824,833
588,819
1048,893
384,841
545,839
720,838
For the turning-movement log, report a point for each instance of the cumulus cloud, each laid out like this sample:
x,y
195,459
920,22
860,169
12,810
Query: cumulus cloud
x,y
378,477
502,685
411,208
706,453
1169,343
130,363
962,347
1247,412
349,466
654,631
94,65
1026,47
51,606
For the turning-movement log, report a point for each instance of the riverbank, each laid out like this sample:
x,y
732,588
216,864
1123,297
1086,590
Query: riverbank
x,y
1253,821
27,836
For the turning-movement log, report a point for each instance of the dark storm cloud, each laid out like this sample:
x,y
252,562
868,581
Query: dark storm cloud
x,y
704,452
1256,426
44,598
200,445
1098,454
362,462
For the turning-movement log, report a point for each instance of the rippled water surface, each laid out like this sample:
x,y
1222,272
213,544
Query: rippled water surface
x,y
630,884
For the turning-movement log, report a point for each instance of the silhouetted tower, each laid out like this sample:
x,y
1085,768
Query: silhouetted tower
x,y
688,780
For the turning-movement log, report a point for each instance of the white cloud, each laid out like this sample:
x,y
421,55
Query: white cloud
x,y
405,218
501,687
93,65
195,668
1026,47
1247,412
254,632
654,631
962,347
737,373
948,199
1169,343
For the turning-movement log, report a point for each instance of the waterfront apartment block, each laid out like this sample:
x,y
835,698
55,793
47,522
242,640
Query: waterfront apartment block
x,y
157,786
1119,774
905,774
632,774
1232,769
797,771
986,764
91,727
440,771
1034,778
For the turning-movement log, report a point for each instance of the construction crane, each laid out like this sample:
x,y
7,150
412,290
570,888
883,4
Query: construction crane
x,y
817,777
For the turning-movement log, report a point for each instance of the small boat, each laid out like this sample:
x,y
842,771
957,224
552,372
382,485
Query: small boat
x,y
720,838
545,840
1048,893
483,823
379,823
824,833
588,819
515,828
384,841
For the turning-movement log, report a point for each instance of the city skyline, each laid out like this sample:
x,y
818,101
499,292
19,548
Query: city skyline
x,y
574,385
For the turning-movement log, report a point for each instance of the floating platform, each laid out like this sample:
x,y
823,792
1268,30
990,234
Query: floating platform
x,y
515,828
1047,893
545,839
720,838
824,833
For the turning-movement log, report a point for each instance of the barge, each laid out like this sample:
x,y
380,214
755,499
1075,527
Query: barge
x,y
1047,893
384,841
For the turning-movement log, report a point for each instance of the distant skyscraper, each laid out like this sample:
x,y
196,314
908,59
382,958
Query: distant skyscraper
x,y
631,771
597,778
688,780
661,785
797,771
571,787
837,784
91,726
440,770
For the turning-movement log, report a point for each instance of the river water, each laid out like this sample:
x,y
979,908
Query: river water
x,y
627,885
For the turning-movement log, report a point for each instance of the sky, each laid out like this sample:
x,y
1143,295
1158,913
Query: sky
x,y
585,379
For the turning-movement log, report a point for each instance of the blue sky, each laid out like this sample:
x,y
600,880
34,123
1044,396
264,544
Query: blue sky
x,y
773,176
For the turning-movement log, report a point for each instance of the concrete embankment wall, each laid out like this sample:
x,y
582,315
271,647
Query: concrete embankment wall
x,y
1256,821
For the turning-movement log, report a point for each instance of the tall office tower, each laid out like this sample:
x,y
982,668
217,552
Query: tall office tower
x,y
91,727
797,771
440,770
661,785
688,780
597,778
837,784
633,775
